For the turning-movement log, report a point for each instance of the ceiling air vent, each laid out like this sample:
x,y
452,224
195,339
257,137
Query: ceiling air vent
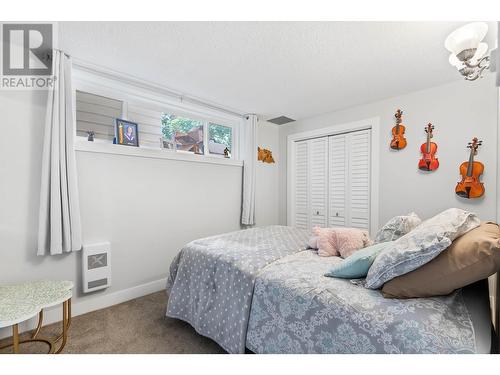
x,y
281,120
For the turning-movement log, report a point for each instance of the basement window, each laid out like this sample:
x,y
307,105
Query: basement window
x,y
220,138
187,133
192,135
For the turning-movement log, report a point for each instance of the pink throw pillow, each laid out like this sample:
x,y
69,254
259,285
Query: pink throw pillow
x,y
326,245
340,241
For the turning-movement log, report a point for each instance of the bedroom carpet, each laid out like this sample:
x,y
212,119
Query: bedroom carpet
x,y
136,326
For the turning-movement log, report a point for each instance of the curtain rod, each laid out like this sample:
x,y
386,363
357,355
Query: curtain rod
x,y
136,81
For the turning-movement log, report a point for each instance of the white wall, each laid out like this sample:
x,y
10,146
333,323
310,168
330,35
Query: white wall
x,y
147,208
459,111
267,190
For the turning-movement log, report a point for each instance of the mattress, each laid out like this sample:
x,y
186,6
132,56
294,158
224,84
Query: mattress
x,y
477,300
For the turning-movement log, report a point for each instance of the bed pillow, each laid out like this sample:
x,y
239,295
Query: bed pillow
x,y
470,258
397,227
420,246
340,241
356,266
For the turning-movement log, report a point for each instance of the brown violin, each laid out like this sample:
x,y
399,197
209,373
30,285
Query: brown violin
x,y
398,133
429,162
471,171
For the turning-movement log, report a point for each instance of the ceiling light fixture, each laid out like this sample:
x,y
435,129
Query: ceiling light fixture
x,y
468,52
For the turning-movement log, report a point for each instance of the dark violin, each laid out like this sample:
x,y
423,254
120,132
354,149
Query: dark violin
x,y
471,171
398,133
428,162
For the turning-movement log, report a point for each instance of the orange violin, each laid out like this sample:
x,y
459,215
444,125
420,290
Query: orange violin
x,y
398,138
471,171
428,162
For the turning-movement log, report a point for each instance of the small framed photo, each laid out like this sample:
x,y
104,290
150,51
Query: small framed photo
x,y
127,133
167,144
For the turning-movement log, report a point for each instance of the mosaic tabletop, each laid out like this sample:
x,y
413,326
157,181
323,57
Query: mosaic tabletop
x,y
19,302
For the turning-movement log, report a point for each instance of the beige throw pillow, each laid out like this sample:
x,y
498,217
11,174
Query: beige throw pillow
x,y
471,257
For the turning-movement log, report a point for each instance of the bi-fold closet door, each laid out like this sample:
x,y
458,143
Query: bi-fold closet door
x,y
332,181
311,183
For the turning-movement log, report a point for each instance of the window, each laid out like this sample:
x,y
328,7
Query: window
x,y
190,132
220,137
97,114
186,133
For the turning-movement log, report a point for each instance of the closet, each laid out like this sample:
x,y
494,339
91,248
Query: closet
x,y
331,181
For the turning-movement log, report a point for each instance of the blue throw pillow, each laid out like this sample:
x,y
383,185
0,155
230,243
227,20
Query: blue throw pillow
x,y
357,265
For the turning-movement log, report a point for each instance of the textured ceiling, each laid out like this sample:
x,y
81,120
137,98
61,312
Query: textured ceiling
x,y
297,69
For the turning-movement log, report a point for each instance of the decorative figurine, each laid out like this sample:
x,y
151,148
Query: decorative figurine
x,y
264,155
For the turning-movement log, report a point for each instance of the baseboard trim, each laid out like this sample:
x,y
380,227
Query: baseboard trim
x,y
88,304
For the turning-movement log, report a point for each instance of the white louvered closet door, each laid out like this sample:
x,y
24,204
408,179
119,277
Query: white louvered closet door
x,y
318,190
338,181
331,184
301,185
349,180
359,179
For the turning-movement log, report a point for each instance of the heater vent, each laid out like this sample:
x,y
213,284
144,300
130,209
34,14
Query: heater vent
x,y
94,284
96,262
281,120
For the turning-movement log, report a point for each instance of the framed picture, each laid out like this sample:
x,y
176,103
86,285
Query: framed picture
x,y
127,133
167,144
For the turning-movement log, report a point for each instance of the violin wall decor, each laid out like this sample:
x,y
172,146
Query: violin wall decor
x,y
429,162
398,141
471,171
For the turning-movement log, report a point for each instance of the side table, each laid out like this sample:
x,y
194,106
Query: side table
x,y
21,302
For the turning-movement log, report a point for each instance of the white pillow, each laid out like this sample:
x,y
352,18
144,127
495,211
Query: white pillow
x,y
420,246
397,227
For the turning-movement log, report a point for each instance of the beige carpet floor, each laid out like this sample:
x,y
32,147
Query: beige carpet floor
x,y
136,326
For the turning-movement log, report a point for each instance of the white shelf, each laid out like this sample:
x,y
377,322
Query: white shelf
x,y
144,152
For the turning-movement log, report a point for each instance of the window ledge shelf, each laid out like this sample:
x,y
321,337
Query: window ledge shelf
x,y
144,152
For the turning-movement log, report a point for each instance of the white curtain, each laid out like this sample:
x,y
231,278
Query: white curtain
x,y
496,56
249,144
59,227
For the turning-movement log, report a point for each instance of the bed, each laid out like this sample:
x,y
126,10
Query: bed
x,y
262,291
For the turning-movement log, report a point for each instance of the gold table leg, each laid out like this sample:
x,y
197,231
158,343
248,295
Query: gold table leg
x,y
15,338
66,324
34,336
39,326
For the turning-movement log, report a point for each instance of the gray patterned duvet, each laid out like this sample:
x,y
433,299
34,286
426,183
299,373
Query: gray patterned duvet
x,y
212,279
258,288
295,309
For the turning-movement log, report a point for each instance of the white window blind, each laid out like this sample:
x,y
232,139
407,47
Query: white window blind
x,y
96,113
149,124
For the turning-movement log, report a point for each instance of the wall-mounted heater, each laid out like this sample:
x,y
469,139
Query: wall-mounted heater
x,y
96,266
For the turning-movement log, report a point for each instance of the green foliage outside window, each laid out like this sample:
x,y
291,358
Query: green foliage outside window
x,y
170,124
220,134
